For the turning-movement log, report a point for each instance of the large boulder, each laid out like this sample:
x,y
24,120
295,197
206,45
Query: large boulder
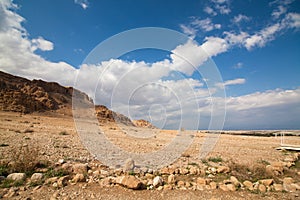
x,y
17,176
129,181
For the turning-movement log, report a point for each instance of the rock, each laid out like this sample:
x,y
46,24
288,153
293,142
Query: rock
x,y
201,181
262,188
164,170
171,179
63,181
235,181
168,187
129,181
181,183
213,185
80,168
223,169
37,177
129,165
267,182
231,187
51,180
61,161
17,176
278,187
184,171
288,180
275,168
107,181
248,185
289,187
194,170
78,178
157,181
223,187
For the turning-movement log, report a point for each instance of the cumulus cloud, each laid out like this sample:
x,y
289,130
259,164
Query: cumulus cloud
x,y
188,30
136,88
239,18
205,24
210,11
239,65
276,109
42,44
237,81
83,3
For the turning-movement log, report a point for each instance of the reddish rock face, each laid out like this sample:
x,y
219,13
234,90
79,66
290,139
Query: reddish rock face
x,y
22,95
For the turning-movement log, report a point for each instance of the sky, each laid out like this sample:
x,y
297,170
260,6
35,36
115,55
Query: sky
x,y
254,45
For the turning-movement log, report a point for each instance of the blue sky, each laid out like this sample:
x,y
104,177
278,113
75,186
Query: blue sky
x,y
255,46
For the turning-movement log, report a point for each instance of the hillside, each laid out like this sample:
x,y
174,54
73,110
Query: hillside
x,y
19,94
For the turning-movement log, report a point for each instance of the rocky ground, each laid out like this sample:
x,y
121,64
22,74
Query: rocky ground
x,y
42,157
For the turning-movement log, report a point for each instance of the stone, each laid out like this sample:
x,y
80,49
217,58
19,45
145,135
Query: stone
x,y
107,181
157,181
278,187
194,170
231,187
188,184
248,185
262,188
78,178
51,180
63,181
267,182
171,179
168,187
289,187
201,181
164,170
184,171
223,169
181,183
288,180
61,161
80,168
213,185
17,176
129,165
37,177
129,181
223,187
235,181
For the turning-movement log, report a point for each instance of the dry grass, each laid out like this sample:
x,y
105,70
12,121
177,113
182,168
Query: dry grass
x,y
252,172
24,158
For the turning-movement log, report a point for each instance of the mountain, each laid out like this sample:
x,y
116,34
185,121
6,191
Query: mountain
x,y
19,94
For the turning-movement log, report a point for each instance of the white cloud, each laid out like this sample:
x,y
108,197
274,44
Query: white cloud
x,y
292,20
205,24
223,9
265,35
238,81
188,30
276,109
83,3
239,18
210,11
42,44
239,65
279,11
161,83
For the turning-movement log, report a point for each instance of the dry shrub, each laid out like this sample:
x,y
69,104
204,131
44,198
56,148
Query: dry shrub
x,y
24,158
252,172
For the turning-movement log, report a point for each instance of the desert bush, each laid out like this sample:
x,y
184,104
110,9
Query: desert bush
x,y
63,133
56,173
28,131
253,172
215,159
24,158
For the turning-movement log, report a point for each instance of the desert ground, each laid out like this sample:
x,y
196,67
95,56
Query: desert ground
x,y
51,140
